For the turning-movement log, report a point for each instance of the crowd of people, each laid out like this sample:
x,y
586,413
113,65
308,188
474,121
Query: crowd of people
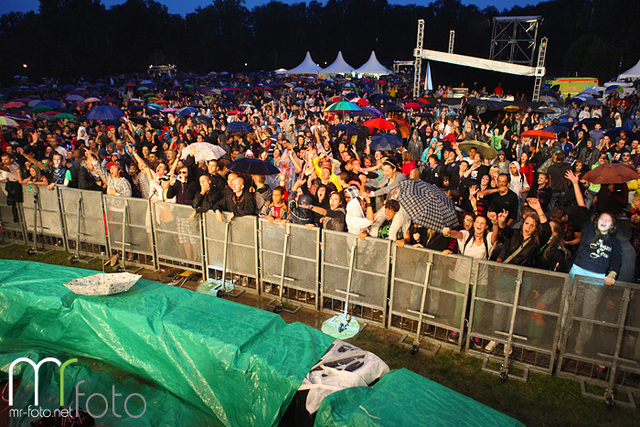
x,y
526,205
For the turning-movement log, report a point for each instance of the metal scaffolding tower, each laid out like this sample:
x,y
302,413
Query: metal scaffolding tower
x,y
452,38
417,69
542,54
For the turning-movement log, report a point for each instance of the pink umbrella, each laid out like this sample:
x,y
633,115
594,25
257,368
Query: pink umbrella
x,y
91,99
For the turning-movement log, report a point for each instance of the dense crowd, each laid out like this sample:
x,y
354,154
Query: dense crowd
x,y
525,204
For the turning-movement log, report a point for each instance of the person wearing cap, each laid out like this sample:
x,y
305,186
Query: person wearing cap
x,y
390,186
117,185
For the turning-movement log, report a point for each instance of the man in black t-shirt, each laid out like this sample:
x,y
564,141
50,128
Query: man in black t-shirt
x,y
502,198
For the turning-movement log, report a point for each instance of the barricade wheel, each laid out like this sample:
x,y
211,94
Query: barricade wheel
x,y
119,268
504,375
414,349
74,259
31,251
277,308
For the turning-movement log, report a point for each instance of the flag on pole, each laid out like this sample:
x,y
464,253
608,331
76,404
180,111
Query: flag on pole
x,y
428,84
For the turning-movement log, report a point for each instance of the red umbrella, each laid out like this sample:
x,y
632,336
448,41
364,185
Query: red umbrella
x,y
541,134
13,104
613,173
361,101
379,124
334,99
234,113
423,100
413,106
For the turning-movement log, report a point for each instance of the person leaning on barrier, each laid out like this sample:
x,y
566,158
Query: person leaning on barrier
x,y
599,255
239,201
392,223
275,209
205,199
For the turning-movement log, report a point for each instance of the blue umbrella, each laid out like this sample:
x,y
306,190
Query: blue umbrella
x,y
385,142
591,122
349,129
594,102
239,127
50,103
556,128
613,133
253,166
105,112
183,112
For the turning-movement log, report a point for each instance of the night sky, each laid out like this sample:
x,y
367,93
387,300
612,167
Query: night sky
x,y
184,7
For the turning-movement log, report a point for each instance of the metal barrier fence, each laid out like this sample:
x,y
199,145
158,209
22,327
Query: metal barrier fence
x,y
232,247
517,313
601,344
429,294
296,274
11,219
83,215
41,213
130,230
369,272
178,237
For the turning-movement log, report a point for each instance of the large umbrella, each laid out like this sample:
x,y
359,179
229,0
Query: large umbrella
x,y
105,112
391,107
540,134
204,151
185,111
427,205
379,123
385,142
592,121
402,126
253,167
613,173
487,151
6,121
242,127
343,106
74,98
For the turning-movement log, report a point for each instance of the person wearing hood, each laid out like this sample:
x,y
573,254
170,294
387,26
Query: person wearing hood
x,y
359,215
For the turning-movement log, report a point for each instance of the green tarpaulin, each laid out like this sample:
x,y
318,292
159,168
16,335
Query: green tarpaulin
x,y
238,365
404,398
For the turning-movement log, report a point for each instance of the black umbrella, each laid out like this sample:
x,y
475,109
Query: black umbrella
x,y
385,142
427,205
392,107
349,129
239,127
253,167
591,122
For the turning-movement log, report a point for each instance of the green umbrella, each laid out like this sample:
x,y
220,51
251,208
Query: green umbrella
x,y
343,106
41,109
66,116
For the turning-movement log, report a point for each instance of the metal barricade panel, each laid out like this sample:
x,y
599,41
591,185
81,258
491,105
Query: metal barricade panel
x,y
91,216
7,216
138,229
49,219
446,295
601,337
303,249
371,270
242,245
538,300
178,240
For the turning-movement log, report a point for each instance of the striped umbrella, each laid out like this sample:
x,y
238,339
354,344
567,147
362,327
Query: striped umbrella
x,y
427,205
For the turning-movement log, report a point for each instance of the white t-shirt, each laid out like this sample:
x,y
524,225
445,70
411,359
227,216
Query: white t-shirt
x,y
471,250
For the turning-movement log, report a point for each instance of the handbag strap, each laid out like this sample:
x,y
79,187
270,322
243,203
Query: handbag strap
x,y
517,251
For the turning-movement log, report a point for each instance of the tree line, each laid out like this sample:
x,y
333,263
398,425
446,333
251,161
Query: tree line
x,y
72,38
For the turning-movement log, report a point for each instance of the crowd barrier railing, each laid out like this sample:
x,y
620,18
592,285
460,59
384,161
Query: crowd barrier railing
x,y
516,312
429,295
232,247
178,236
42,217
591,334
83,215
129,228
11,219
601,344
355,271
289,260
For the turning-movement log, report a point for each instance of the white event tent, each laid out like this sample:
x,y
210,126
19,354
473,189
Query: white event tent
x,y
308,66
373,66
339,66
632,73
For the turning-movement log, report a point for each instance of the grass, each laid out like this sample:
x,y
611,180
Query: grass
x,y
541,401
